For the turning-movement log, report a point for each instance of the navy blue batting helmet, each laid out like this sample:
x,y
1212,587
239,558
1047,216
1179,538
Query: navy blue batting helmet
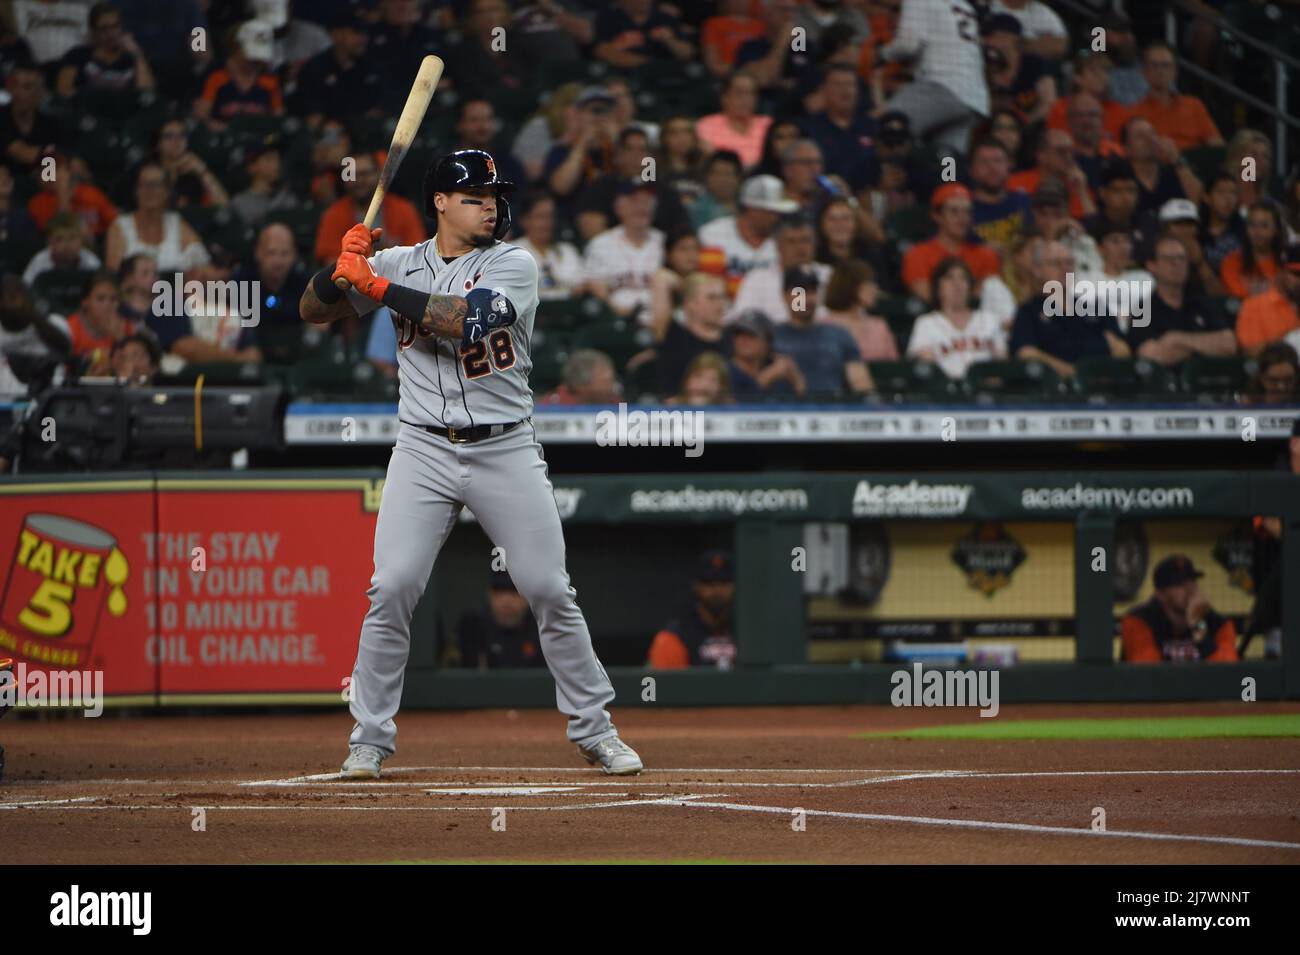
x,y
467,169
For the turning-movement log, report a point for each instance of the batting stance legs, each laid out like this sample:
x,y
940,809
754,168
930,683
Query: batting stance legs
x,y
504,482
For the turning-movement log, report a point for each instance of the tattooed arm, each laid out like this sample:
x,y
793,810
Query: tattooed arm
x,y
444,316
313,310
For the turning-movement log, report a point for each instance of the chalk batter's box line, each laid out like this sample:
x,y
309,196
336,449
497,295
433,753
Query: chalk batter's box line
x,y
697,801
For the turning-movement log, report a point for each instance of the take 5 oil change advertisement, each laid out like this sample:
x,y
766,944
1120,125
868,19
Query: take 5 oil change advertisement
x,y
188,588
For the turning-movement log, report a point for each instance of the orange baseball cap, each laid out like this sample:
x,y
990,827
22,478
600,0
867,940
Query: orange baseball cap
x,y
949,190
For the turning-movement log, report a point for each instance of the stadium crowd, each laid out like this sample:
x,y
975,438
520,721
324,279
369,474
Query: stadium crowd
x,y
728,201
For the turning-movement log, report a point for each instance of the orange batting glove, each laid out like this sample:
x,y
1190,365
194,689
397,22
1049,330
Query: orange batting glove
x,y
357,270
360,240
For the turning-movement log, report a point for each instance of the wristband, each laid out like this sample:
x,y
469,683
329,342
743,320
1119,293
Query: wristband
x,y
324,287
406,301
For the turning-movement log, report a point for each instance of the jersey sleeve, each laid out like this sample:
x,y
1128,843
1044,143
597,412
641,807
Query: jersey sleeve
x,y
922,336
514,275
667,652
1139,642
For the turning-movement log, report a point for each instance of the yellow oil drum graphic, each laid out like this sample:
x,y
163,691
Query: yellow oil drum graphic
x,y
65,574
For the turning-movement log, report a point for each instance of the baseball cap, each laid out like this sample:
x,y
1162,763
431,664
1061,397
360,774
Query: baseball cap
x,y
264,145
1050,193
1291,257
714,566
593,94
895,128
1117,20
257,39
1115,169
951,190
1174,570
1003,23
1179,210
500,580
766,192
800,276
754,322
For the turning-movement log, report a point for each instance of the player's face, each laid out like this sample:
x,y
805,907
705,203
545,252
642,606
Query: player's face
x,y
470,215
508,606
715,595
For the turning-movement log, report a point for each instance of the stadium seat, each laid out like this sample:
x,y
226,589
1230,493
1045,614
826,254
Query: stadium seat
x,y
1209,379
548,368
332,376
218,373
994,381
61,289
639,383
619,340
1101,378
562,315
901,382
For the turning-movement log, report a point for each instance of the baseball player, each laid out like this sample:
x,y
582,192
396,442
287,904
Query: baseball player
x,y
463,303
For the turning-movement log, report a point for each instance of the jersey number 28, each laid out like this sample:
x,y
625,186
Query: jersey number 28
x,y
496,351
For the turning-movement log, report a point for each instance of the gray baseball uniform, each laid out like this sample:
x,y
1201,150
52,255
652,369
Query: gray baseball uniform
x,y
502,479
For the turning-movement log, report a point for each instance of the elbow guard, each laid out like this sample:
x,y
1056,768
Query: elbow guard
x,y
488,311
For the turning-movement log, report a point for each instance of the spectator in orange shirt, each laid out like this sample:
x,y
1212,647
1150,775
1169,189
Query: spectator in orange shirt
x,y
398,217
243,87
722,35
69,192
737,127
1055,159
1251,269
1179,117
1092,75
950,205
1177,623
98,324
701,634
1272,315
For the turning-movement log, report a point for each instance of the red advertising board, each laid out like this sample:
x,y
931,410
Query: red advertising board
x,y
189,587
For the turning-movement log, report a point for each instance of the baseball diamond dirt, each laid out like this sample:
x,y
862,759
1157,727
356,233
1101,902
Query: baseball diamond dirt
x,y
721,785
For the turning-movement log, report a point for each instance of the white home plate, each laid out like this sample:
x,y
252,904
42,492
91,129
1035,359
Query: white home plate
x,y
503,791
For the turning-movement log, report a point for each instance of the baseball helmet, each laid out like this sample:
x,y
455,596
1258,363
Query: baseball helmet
x,y
464,169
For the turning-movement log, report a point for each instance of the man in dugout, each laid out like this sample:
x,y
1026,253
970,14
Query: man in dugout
x,y
1177,623
701,634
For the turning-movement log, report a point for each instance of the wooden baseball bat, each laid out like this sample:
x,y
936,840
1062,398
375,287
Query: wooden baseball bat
x,y
408,124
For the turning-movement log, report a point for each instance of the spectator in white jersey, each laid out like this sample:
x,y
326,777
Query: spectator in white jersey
x,y
744,241
621,261
956,335
949,95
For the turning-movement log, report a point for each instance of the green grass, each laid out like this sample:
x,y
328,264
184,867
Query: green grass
x,y
1167,727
